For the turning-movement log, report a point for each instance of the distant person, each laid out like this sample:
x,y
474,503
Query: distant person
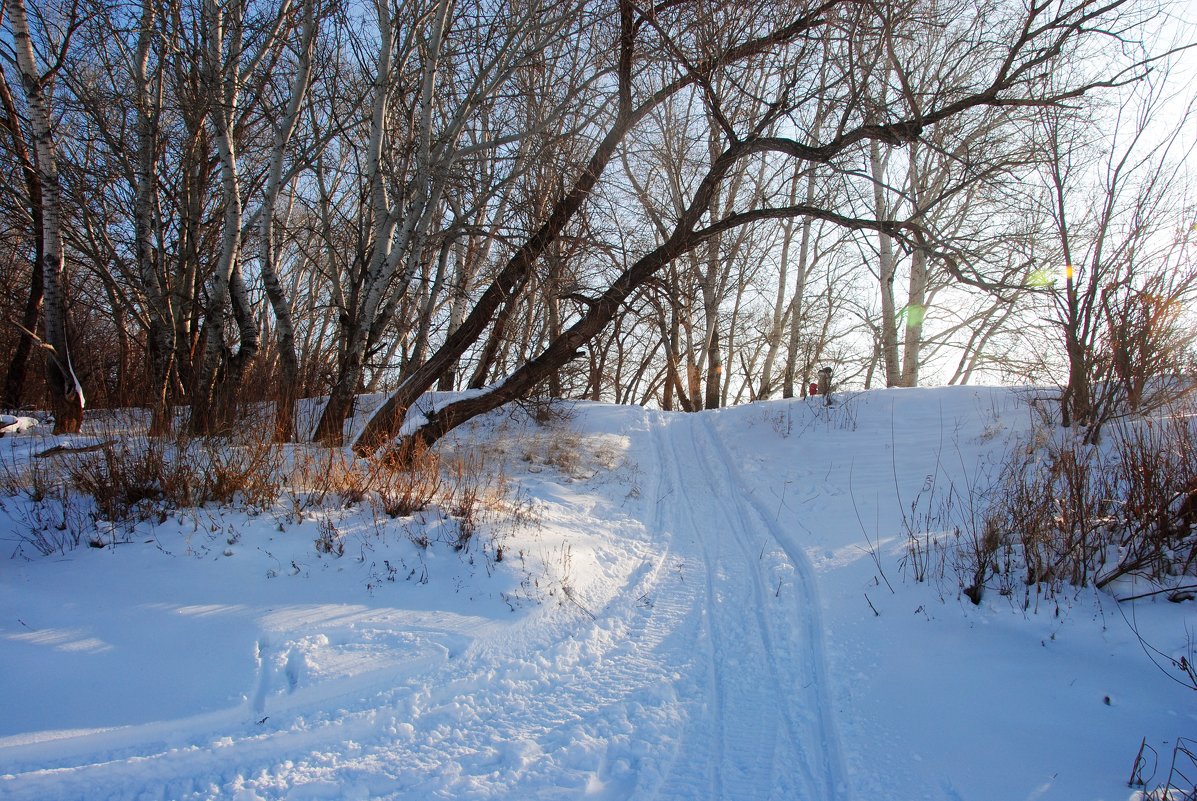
x,y
824,385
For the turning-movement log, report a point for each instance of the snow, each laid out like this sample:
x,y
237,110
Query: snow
x,y
17,424
707,606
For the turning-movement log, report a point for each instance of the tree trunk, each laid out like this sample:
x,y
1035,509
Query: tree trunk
x,y
222,78
390,415
331,428
18,366
66,394
798,305
915,315
887,271
160,330
777,322
286,395
457,310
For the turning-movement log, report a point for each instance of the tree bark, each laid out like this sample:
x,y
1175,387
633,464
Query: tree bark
x,y
18,366
777,321
286,395
66,393
887,272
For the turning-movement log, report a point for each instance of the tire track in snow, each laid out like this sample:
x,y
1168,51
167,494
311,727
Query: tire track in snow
x,y
544,704
531,710
817,726
604,675
550,692
528,696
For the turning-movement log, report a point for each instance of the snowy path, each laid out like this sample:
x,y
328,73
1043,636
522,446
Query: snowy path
x,y
691,607
767,731
691,670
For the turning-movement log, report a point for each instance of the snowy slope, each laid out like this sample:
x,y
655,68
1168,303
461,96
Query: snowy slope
x,y
706,606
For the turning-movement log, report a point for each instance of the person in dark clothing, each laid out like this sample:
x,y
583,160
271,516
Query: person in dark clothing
x,y
824,385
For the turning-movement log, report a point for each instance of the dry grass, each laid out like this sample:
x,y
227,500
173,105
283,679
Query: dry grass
x,y
1061,512
99,495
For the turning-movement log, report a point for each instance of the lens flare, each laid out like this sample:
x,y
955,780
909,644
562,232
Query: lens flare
x,y
1040,279
914,314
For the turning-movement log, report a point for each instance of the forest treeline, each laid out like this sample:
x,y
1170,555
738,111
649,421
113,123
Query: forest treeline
x,y
689,203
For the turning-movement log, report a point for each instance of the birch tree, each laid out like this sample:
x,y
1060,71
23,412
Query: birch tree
x,y
440,68
18,145
280,301
123,55
66,393
238,60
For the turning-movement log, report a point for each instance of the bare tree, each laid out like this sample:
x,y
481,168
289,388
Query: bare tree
x,y
1121,277
14,379
237,59
66,393
280,301
1002,71
628,112
439,70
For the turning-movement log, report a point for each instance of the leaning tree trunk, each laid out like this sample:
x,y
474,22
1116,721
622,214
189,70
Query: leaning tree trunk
x,y
400,231
66,394
566,347
558,353
389,417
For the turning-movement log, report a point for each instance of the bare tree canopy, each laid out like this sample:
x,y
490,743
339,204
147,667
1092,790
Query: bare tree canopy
x,y
693,203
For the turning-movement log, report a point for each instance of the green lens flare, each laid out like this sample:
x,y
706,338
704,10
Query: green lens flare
x,y
914,314
1041,278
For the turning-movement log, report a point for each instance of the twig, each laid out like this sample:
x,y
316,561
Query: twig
x,y
1136,778
1187,587
1155,654
59,450
872,548
569,593
870,603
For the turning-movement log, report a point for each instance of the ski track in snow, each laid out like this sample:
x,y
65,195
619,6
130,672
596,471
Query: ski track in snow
x,y
668,639
771,732
699,675
799,626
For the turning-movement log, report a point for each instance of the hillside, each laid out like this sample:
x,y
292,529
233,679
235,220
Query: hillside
x,y
653,606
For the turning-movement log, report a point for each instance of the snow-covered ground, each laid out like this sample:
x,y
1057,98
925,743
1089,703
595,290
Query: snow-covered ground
x,y
708,606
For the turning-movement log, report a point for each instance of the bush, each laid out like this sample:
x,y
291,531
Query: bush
x,y
135,479
97,493
1064,512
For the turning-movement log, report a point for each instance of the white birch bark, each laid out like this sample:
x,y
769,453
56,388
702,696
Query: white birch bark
x,y
65,389
280,303
886,271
